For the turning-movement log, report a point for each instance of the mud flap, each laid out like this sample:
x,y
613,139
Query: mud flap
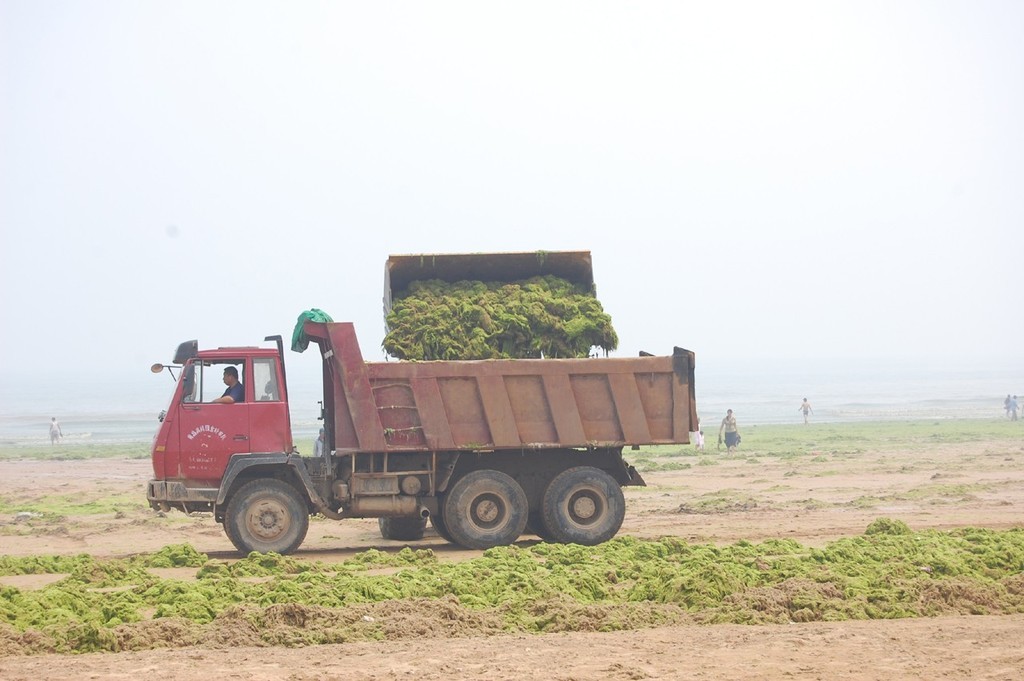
x,y
635,479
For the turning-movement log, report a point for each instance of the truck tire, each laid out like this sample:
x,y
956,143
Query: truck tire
x,y
402,529
485,508
437,520
266,515
535,525
583,505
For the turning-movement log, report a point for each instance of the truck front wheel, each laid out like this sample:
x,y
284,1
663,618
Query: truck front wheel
x,y
485,508
266,515
583,505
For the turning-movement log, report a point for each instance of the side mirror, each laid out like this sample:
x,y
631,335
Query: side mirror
x,y
157,368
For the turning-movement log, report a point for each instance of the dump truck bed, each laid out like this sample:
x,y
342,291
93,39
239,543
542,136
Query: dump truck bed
x,y
400,271
502,404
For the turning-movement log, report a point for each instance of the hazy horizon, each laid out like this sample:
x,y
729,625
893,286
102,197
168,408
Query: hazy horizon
x,y
746,384
753,180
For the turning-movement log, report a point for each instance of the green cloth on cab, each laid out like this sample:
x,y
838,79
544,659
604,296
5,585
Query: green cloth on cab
x,y
299,340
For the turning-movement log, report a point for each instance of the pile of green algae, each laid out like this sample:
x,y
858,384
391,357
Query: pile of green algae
x,y
539,317
627,583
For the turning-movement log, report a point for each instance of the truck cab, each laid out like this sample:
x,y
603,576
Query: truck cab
x,y
199,434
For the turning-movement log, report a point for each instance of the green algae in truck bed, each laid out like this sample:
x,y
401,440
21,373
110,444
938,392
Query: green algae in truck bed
x,y
540,317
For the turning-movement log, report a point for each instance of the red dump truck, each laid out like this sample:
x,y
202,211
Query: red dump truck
x,y
483,449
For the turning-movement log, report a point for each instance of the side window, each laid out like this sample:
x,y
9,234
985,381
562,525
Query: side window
x,y
204,381
264,372
215,385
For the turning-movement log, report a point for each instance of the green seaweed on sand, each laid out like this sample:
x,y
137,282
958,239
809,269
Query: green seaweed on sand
x,y
70,450
176,555
55,506
265,599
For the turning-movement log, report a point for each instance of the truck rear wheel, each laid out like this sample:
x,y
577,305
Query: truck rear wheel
x,y
484,509
402,529
266,515
535,525
583,505
442,530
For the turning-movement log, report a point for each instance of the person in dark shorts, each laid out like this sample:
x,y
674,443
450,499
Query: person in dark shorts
x,y
730,431
806,409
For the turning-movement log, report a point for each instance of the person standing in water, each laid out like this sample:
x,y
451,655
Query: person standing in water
x,y
806,409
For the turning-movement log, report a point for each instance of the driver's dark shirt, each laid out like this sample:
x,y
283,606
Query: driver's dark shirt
x,y
235,392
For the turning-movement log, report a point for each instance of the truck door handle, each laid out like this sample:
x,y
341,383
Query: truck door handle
x,y
241,437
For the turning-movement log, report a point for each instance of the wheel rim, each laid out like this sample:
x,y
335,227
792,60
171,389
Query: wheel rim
x,y
586,506
488,511
268,519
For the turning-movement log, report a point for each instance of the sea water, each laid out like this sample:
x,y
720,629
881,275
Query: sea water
x,y
849,391
124,409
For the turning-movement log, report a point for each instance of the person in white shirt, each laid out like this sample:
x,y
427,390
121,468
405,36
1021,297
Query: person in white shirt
x,y
55,432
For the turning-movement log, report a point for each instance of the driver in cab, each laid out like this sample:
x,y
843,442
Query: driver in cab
x,y
235,392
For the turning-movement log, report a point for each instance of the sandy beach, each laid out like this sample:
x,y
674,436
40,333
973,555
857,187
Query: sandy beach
x,y
812,496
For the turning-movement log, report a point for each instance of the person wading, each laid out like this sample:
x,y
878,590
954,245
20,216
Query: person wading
x,y
806,409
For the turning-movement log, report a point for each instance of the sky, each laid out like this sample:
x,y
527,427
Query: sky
x,y
805,180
